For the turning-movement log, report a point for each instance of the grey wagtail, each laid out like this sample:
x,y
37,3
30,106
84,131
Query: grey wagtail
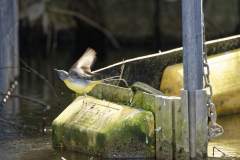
x,y
76,78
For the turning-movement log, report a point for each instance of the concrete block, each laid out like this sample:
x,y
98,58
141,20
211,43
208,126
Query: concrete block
x,y
106,128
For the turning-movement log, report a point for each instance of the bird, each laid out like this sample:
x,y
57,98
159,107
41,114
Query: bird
x,y
77,79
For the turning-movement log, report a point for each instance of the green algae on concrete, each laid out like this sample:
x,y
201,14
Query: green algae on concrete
x,y
105,128
128,137
170,126
124,96
112,93
144,101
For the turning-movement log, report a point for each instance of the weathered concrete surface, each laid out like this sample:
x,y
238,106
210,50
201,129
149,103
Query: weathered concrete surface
x,y
185,121
171,128
105,128
167,128
201,124
224,77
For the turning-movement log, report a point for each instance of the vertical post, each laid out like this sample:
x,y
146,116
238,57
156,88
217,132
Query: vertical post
x,y
193,61
8,43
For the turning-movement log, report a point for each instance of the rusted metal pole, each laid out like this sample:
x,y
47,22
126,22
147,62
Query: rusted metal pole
x,y
192,61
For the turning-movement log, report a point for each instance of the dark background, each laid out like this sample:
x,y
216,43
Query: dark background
x,y
140,27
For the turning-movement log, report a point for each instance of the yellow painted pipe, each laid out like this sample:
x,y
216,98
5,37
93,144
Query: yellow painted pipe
x,y
224,78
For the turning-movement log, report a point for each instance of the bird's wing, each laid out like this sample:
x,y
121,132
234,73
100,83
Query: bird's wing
x,y
82,67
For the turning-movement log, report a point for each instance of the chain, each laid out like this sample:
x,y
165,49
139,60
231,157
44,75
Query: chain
x,y
214,129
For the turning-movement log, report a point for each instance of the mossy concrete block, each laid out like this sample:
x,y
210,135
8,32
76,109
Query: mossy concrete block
x,y
144,101
125,96
105,128
112,93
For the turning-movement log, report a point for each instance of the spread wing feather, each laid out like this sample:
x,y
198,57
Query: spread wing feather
x,y
82,68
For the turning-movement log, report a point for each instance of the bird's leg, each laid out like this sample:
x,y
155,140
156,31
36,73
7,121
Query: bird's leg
x,y
85,98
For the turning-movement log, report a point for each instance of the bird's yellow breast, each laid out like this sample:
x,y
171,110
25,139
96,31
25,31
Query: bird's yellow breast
x,y
81,86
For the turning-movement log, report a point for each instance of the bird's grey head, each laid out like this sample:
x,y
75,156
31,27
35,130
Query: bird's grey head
x,y
62,74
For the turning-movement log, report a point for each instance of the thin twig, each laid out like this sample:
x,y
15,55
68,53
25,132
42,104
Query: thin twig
x,y
120,76
218,150
8,122
88,21
8,67
125,82
16,125
41,76
110,78
27,98
16,67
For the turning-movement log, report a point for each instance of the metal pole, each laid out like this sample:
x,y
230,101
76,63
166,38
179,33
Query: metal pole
x,y
192,61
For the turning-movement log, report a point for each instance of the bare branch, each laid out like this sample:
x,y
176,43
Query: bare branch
x,y
27,98
8,122
41,76
16,67
88,21
120,76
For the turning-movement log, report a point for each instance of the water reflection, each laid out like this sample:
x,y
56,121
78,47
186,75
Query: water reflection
x,y
24,139
229,142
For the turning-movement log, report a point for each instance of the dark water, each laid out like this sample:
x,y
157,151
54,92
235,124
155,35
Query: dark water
x,y
229,142
24,140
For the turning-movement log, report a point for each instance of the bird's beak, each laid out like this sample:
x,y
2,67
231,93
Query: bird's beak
x,y
55,69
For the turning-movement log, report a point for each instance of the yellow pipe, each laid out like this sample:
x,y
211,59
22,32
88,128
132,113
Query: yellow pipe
x,y
224,77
